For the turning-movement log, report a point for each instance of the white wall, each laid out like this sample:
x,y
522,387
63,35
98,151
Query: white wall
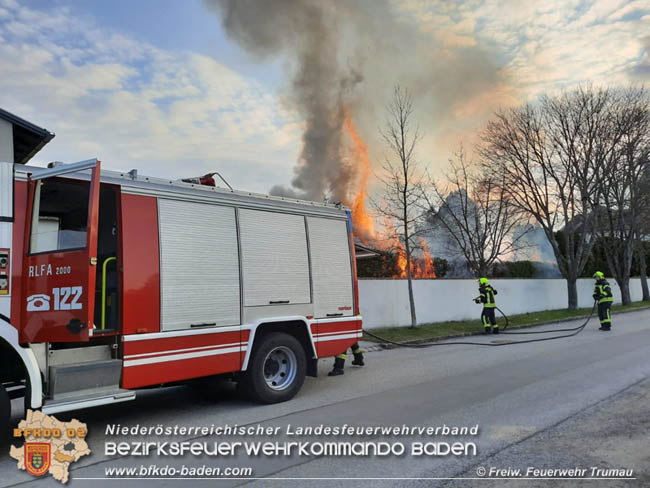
x,y
6,142
384,303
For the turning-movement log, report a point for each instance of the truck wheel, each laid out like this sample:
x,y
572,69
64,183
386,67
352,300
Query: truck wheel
x,y
5,411
276,370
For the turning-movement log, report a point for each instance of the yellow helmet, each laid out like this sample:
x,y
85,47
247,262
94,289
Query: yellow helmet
x,y
483,281
599,276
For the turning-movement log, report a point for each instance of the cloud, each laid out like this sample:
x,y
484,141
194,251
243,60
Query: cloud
x,y
550,45
641,70
132,105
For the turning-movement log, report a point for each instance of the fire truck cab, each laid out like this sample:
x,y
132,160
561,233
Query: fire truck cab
x,y
111,281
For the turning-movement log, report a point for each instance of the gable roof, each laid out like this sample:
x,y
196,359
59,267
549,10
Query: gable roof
x,y
28,138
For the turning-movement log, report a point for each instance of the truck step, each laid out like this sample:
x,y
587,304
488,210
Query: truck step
x,y
60,357
93,375
86,399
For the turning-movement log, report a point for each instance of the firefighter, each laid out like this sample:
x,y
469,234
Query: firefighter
x,y
339,360
486,297
603,295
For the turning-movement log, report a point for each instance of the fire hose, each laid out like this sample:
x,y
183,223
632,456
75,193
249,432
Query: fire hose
x,y
573,332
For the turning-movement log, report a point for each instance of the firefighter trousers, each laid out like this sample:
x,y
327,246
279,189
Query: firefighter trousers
x,y
356,350
604,314
339,359
488,318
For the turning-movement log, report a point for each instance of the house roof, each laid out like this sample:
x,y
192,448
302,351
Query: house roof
x,y
363,252
28,138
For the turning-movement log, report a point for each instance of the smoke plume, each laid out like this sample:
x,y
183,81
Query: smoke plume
x,y
348,56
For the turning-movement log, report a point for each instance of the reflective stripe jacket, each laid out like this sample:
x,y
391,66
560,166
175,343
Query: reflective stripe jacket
x,y
603,292
487,296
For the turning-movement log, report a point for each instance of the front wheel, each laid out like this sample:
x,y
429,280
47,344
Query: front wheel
x,y
276,370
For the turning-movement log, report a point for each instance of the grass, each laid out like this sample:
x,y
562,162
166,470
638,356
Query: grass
x,y
443,330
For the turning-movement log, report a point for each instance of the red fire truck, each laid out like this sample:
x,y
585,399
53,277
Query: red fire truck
x,y
111,282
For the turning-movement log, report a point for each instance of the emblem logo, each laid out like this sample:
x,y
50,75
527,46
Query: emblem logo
x,y
50,449
37,458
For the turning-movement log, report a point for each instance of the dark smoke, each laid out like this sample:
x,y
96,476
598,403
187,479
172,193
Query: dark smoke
x,y
309,32
349,55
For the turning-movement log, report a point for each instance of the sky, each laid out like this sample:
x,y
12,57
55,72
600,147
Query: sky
x,y
164,87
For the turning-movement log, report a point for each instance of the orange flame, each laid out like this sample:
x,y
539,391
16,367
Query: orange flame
x,y
421,267
427,269
401,262
364,225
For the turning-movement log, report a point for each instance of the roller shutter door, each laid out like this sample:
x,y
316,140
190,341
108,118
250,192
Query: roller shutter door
x,y
199,265
331,267
274,258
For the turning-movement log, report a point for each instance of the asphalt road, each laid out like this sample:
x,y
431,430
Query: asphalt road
x,y
530,401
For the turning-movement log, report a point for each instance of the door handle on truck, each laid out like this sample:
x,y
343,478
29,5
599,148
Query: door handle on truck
x,y
275,302
204,324
334,314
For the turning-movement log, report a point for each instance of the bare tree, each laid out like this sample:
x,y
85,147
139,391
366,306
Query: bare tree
x,y
547,158
644,231
476,211
403,197
621,202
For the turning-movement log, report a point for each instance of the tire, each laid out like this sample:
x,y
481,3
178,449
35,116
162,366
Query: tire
x,y
276,369
5,411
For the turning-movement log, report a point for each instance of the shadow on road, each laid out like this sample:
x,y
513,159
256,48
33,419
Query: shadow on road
x,y
171,401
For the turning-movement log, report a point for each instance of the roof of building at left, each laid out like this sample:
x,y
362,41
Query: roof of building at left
x,y
28,138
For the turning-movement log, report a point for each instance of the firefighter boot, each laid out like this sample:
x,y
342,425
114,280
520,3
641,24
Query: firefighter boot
x,y
339,363
486,330
495,330
358,358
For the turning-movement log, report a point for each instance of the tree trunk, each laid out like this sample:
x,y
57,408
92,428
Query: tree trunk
x,y
407,248
643,274
624,285
414,320
572,289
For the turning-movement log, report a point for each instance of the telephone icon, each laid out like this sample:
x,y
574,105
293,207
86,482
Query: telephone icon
x,y
38,303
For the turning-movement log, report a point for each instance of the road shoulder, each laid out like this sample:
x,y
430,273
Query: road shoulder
x,y
611,435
